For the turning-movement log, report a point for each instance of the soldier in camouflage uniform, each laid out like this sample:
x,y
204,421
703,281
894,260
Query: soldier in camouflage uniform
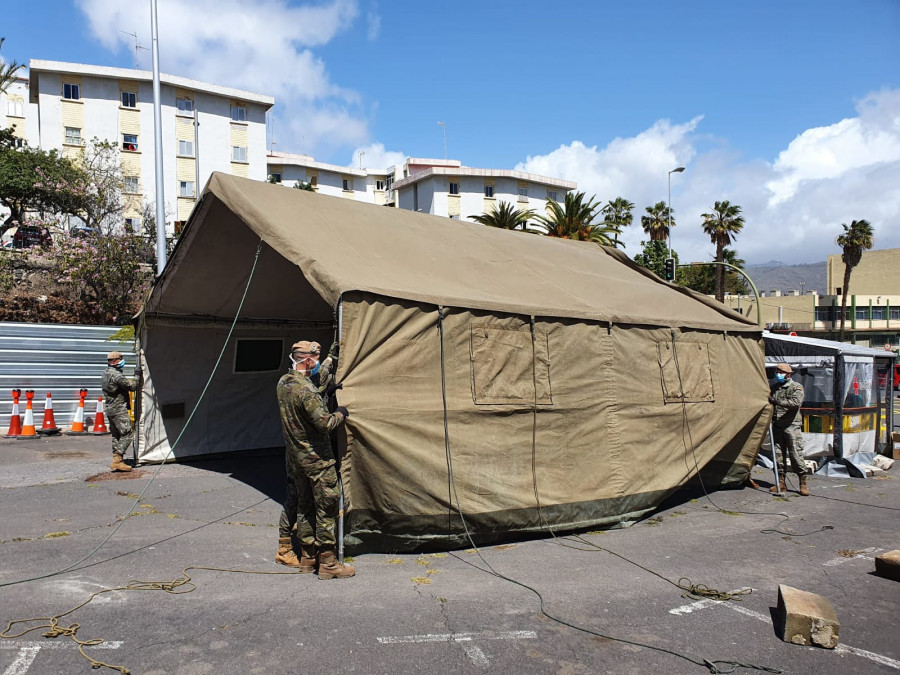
x,y
312,494
116,403
787,397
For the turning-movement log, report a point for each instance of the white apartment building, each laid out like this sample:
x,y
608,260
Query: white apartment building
x,y
364,185
205,127
441,187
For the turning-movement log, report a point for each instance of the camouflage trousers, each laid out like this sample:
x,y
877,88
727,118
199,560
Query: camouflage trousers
x,y
122,431
311,499
790,441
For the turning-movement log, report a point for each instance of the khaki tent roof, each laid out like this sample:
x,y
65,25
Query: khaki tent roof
x,y
342,245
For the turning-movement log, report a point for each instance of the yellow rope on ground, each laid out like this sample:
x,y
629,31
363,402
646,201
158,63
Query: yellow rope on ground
x,y
178,586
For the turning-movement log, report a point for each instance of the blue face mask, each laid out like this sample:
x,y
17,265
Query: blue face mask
x,y
315,371
781,377
120,365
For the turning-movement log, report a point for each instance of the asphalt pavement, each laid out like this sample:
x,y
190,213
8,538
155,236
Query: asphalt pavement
x,y
426,613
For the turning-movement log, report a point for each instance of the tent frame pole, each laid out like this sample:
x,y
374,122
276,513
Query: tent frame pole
x,y
340,523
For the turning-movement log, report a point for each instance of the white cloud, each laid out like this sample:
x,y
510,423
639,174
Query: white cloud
x,y
375,156
265,47
373,22
793,206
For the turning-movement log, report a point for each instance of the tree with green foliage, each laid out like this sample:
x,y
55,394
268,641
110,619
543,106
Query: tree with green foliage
x,y
653,256
505,216
8,70
618,214
656,222
857,237
35,180
575,220
722,225
301,185
702,278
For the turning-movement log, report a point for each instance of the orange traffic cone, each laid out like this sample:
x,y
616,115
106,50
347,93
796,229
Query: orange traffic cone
x,y
15,420
100,420
77,428
28,431
48,426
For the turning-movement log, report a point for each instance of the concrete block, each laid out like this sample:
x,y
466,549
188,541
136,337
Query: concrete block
x,y
887,565
806,618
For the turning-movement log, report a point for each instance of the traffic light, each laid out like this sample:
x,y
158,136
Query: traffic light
x,y
670,269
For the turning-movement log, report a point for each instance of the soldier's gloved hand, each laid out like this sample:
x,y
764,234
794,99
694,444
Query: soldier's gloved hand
x,y
332,387
139,373
772,400
334,351
341,409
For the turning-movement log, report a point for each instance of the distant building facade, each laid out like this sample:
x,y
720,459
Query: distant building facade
x,y
441,187
205,127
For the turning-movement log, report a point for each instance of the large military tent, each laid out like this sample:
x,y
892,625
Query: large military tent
x,y
530,382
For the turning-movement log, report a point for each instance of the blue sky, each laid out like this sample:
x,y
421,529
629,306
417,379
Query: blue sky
x,y
788,108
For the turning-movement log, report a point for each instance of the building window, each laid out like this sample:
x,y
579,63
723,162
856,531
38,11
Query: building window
x,y
72,92
454,187
489,191
895,313
132,185
185,106
185,188
129,99
238,153
523,193
238,113
389,183
15,107
313,179
379,185
862,313
186,148
18,142
552,195
879,313
132,224
348,184
824,314
130,142
454,217
73,136
276,177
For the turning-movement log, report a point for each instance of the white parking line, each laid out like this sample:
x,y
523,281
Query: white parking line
x,y
28,651
840,649
842,559
478,658
700,604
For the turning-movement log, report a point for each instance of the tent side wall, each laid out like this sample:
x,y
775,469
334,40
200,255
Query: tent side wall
x,y
596,423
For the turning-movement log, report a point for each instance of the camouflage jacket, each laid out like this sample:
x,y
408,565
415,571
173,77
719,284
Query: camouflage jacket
x,y
115,389
787,400
325,376
305,420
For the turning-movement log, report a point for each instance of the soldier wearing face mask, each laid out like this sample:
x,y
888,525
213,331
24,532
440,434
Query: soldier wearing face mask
x,y
312,487
116,404
787,397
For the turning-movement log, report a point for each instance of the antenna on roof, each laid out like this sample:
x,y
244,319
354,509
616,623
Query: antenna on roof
x,y
361,155
444,125
137,48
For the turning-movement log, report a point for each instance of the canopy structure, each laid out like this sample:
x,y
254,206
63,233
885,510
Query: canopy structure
x,y
529,382
848,393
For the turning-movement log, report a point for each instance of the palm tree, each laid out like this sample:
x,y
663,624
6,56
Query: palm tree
x,y
857,237
656,222
722,226
618,214
574,220
505,216
7,70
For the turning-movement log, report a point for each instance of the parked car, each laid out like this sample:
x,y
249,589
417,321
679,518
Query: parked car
x,y
27,236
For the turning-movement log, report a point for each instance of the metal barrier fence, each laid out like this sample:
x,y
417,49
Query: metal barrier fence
x,y
55,358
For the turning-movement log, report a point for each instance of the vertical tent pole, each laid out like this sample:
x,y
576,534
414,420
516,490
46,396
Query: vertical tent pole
x,y
340,537
774,459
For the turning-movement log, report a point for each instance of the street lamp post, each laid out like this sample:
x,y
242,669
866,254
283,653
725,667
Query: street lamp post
x,y
669,205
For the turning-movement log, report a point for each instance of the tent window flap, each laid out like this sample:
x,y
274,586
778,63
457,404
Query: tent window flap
x,y
507,370
258,356
689,377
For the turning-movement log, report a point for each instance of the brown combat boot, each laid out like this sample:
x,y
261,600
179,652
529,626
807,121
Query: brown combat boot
x,y
118,464
330,568
286,555
752,483
781,487
804,488
307,559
